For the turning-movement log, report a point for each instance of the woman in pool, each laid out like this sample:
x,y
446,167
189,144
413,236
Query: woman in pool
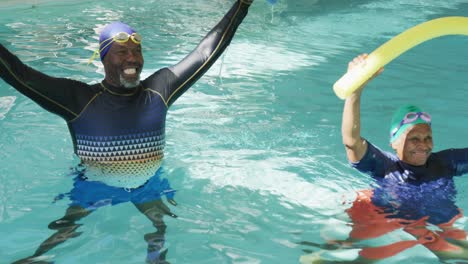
x,y
415,185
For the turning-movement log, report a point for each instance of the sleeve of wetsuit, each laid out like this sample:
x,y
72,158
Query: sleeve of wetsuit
x,y
458,159
57,95
193,66
373,162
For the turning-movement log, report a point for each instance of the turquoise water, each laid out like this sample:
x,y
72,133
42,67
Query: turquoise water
x,y
254,148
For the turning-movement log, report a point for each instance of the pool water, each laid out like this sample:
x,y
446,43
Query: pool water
x,y
253,148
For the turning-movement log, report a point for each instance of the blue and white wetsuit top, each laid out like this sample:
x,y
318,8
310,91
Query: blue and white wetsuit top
x,y
119,134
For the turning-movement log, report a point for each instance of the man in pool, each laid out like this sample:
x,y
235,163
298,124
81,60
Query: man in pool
x,y
415,185
118,125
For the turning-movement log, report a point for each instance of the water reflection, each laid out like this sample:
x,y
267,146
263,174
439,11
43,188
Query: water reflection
x,y
88,196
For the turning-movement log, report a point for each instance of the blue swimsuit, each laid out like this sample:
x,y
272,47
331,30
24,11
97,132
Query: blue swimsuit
x,y
411,192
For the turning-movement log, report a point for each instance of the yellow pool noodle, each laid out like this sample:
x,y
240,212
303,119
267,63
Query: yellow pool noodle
x,y
393,48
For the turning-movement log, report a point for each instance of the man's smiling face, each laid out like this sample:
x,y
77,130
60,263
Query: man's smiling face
x,y
123,64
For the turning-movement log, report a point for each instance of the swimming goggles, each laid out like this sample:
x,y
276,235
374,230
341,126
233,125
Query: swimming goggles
x,y
410,118
121,37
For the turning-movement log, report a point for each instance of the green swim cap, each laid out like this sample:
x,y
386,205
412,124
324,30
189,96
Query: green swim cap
x,y
396,130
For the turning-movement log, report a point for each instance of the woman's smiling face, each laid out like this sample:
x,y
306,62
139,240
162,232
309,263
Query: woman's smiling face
x,y
415,146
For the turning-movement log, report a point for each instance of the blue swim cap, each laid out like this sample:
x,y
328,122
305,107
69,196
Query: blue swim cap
x,y
109,31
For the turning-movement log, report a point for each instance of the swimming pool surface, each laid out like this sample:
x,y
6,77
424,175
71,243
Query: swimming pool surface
x,y
253,148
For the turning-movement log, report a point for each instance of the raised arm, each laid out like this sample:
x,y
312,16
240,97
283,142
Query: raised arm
x,y
192,67
57,95
355,145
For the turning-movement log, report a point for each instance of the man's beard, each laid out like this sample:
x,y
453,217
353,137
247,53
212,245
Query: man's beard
x,y
129,84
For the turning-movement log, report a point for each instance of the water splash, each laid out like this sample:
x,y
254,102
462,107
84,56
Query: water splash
x,y
6,102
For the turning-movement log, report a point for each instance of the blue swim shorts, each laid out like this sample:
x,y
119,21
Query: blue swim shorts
x,y
94,194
